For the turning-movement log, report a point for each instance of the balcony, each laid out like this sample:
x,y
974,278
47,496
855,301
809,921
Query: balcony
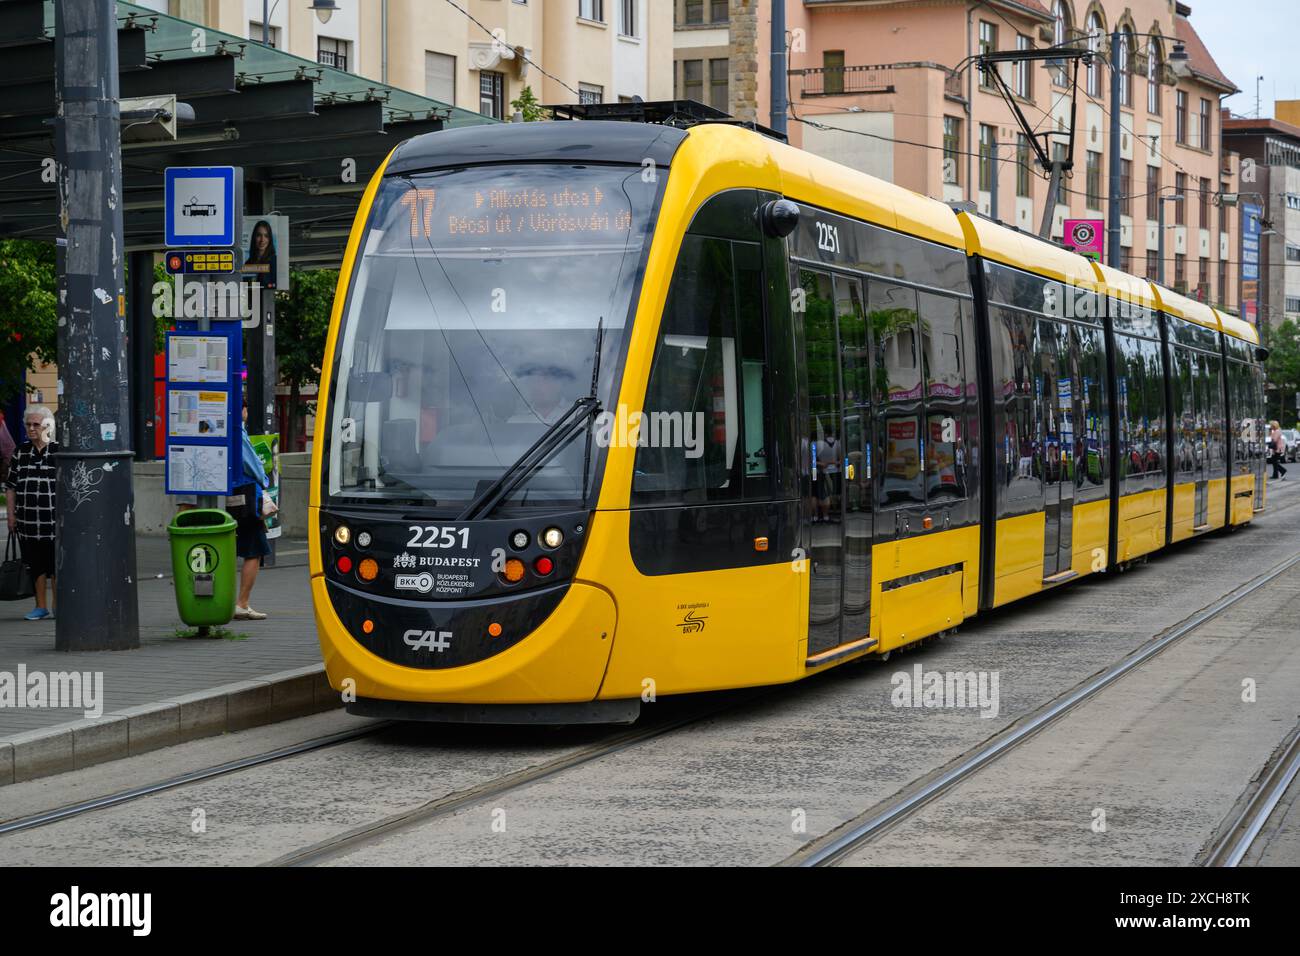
x,y
857,80
331,58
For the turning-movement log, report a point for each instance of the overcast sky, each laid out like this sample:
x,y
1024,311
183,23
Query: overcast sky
x,y
1244,48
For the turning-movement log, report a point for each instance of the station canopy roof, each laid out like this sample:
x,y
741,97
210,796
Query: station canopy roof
x,y
290,123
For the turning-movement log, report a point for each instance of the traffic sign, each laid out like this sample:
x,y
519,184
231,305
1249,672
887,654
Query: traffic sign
x,y
202,205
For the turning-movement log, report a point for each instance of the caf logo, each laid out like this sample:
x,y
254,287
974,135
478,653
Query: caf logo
x,y
1082,234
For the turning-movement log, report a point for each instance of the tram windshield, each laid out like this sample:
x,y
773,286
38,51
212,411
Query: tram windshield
x,y
472,327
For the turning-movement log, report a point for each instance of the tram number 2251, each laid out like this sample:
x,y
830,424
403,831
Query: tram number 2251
x,y
828,237
432,536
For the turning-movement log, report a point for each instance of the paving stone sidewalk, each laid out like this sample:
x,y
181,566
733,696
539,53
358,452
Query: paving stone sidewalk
x,y
166,666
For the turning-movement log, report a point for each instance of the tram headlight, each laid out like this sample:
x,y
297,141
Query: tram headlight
x,y
342,535
519,540
552,538
363,539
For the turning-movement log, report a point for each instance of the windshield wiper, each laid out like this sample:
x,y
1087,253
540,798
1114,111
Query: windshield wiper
x,y
566,428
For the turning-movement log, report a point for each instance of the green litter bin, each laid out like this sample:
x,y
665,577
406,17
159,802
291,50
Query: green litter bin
x,y
204,566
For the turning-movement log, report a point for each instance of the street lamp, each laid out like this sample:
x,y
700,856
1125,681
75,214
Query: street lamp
x,y
324,9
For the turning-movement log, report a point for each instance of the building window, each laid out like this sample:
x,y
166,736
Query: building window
x,y
627,18
591,10
692,87
1060,33
1180,208
491,94
1203,127
1203,280
986,158
1022,165
988,44
1180,118
1153,265
331,52
1223,282
1094,180
1153,193
951,149
1205,204
1180,273
1095,31
1125,259
1153,77
1125,77
1292,253
1292,304
720,84
833,71
691,12
440,76
590,93
1126,186
1024,76
255,34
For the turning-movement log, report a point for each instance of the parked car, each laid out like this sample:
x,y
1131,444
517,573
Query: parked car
x,y
1292,438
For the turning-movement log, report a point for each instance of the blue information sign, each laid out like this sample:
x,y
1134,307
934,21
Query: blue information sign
x,y
202,205
204,438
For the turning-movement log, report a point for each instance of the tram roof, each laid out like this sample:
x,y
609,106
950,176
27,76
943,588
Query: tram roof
x,y
1237,328
997,243
1180,305
1126,287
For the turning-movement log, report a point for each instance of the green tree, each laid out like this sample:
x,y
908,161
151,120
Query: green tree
x,y
28,314
529,106
302,321
1283,367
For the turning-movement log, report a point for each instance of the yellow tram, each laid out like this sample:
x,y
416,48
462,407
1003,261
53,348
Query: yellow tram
x,y
619,408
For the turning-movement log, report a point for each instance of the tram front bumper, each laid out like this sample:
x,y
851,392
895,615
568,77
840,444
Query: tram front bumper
x,y
562,660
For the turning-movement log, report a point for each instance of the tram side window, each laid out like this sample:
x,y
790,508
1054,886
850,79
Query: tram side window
x,y
892,315
702,433
1183,411
944,366
1094,449
1153,373
1016,337
1216,445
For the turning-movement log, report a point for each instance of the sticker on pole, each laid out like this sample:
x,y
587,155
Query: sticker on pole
x,y
200,206
202,559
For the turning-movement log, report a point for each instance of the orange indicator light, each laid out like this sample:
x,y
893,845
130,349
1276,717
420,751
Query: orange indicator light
x,y
368,569
514,572
494,629
368,626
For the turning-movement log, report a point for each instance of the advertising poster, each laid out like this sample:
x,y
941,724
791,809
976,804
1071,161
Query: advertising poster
x,y
268,450
265,249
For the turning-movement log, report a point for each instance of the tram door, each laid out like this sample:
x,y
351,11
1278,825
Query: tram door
x,y
837,461
1059,404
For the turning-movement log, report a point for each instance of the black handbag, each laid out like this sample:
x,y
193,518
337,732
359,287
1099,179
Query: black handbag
x,y
15,578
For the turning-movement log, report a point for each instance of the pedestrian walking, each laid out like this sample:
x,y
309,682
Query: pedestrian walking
x,y
1277,449
250,532
29,496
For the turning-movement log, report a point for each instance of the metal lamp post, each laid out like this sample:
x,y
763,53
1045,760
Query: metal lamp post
x,y
1160,232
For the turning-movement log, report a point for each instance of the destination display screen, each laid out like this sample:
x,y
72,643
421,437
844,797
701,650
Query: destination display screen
x,y
513,212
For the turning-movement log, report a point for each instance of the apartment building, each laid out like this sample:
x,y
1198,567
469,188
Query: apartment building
x,y
876,84
475,54
721,55
1270,181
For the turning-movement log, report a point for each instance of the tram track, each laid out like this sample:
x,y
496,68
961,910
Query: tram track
x,y
72,810
836,845
1235,840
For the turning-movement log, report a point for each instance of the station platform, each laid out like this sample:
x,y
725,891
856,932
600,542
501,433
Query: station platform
x,y
172,688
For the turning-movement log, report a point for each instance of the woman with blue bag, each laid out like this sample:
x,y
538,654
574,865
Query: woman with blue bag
x,y
250,531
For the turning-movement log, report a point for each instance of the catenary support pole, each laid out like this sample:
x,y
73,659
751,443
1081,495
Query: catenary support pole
x,y
780,68
95,551
1113,205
